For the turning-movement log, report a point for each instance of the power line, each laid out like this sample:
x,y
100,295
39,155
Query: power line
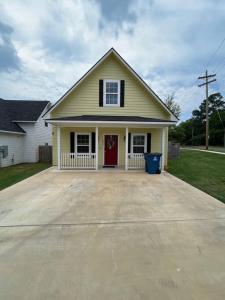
x,y
214,53
207,64
219,67
220,118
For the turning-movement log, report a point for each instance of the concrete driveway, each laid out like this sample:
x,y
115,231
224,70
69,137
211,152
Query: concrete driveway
x,y
87,235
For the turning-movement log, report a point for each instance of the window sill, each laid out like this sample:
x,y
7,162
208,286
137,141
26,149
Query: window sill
x,y
111,105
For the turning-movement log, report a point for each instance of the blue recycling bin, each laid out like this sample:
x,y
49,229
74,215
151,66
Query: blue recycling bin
x,y
153,163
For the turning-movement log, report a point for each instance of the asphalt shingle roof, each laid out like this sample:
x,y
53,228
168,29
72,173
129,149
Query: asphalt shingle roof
x,y
110,118
19,110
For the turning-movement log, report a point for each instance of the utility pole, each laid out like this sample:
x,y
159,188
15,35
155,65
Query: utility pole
x,y
206,83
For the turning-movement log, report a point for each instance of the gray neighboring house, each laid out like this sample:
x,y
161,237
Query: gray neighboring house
x,y
22,130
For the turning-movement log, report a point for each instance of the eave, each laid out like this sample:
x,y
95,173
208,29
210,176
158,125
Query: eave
x,y
64,123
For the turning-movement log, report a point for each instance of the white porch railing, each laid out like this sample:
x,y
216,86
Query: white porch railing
x,y
78,161
136,161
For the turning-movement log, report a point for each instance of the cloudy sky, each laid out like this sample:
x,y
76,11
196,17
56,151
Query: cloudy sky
x,y
46,45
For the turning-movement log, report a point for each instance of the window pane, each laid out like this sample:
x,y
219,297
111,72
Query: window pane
x,y
138,149
83,139
82,149
111,99
138,140
111,87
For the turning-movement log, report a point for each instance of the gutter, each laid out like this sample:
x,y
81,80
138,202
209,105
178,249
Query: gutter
x,y
13,132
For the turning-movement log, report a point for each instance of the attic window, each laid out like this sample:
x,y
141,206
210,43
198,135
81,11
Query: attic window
x,y
111,93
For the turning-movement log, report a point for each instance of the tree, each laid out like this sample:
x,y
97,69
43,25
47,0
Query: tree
x,y
216,103
177,134
217,128
173,106
192,131
182,133
216,124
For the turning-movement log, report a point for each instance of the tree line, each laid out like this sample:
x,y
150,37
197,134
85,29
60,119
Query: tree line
x,y
192,131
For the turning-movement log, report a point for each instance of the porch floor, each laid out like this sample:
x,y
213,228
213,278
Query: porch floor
x,y
100,170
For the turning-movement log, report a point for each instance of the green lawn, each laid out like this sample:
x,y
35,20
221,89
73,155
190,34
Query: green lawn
x,y
211,148
206,171
11,175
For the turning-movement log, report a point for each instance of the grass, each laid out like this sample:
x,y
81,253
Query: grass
x,y
205,171
13,174
211,148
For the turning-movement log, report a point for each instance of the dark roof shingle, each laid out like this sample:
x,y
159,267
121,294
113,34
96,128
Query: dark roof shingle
x,y
109,119
19,110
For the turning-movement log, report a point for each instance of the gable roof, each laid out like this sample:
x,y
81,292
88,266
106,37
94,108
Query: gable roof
x,y
143,83
13,111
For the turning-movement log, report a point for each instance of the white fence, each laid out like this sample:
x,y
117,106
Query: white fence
x,y
78,161
136,161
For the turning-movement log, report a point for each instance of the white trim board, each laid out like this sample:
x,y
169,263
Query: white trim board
x,y
132,145
90,141
13,132
144,84
105,81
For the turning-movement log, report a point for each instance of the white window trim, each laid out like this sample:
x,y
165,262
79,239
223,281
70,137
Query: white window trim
x,y
82,133
138,134
104,92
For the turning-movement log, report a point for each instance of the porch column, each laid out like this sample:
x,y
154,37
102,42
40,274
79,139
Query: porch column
x,y
96,148
126,150
58,148
163,149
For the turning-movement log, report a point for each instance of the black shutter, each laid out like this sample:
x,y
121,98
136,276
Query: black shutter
x,y
93,142
122,85
72,144
149,138
129,140
100,92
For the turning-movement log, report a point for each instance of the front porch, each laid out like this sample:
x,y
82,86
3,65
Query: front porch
x,y
100,147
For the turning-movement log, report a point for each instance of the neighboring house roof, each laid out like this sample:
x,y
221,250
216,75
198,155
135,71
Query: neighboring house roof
x,y
14,111
144,84
100,118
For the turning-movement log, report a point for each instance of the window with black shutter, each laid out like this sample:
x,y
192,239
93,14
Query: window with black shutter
x,y
122,87
93,142
149,142
72,144
100,92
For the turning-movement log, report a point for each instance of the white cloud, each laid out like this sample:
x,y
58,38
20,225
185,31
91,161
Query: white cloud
x,y
57,41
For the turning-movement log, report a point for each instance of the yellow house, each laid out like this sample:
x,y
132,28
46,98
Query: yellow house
x,y
109,118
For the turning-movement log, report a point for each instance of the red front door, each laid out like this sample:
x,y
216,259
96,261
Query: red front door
x,y
111,150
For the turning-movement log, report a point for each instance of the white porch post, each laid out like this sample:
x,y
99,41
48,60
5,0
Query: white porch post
x,y
96,148
126,150
58,148
163,148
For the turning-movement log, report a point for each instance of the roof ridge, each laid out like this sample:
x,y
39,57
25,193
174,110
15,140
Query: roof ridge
x,y
23,100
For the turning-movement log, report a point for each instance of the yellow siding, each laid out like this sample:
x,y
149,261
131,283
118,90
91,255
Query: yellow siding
x,y
85,99
65,141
